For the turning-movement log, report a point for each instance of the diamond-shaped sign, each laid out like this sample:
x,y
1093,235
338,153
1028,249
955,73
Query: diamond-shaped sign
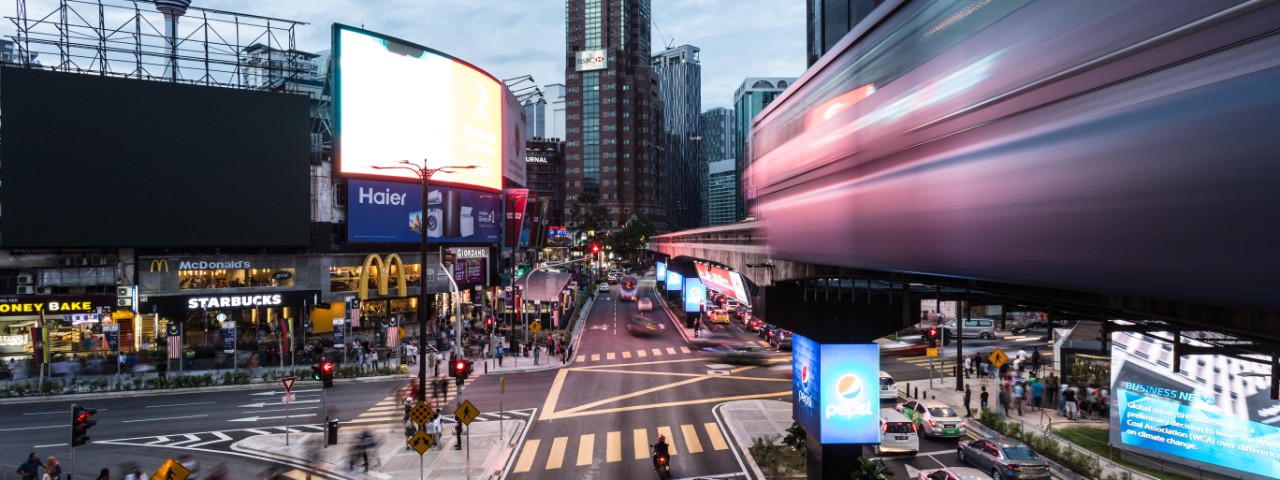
x,y
535,326
421,413
466,412
421,442
998,358
171,470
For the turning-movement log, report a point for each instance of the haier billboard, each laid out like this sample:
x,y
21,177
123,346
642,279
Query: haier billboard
x,y
391,212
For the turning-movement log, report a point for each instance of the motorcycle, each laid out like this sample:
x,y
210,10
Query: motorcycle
x,y
662,465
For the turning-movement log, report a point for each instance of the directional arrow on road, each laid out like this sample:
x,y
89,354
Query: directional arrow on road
x,y
912,472
255,419
263,404
273,392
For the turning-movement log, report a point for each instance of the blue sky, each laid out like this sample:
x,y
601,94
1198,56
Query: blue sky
x,y
511,38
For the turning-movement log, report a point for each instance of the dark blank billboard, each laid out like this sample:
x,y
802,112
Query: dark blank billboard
x,y
93,161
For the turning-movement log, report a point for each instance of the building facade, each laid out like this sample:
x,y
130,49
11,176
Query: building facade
x,y
680,85
544,164
749,100
717,145
611,99
545,114
830,20
722,192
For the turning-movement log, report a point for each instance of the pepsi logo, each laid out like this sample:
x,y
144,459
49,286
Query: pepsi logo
x,y
804,375
849,387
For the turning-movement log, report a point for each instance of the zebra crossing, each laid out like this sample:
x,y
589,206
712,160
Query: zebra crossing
x,y
617,445
648,353
389,412
220,439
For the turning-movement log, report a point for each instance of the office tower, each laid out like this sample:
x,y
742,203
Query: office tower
x,y
830,20
544,164
544,113
717,145
722,190
680,86
748,101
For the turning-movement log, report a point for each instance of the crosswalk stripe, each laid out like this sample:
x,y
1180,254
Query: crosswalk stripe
x,y
717,438
526,456
586,446
296,474
555,457
691,441
595,357
685,350
657,352
613,447
640,438
582,358
642,353
626,354
666,432
671,351
609,356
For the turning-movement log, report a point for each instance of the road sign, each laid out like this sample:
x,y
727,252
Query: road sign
x,y
171,470
998,358
421,442
931,352
288,383
466,412
535,326
403,332
421,413
287,398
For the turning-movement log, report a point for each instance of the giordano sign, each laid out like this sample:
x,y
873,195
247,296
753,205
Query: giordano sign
x,y
384,274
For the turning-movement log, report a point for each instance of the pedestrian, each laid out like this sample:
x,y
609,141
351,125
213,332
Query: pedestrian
x,y
536,351
30,469
1005,399
1018,392
1062,399
105,474
500,352
968,396
1035,358
1069,403
361,450
1037,394
1051,387
968,368
434,428
439,360
983,371
983,397
52,470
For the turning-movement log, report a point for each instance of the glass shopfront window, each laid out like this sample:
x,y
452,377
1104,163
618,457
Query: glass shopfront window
x,y
346,279
236,278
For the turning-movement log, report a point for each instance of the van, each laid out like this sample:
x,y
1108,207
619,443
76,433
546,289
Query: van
x,y
897,434
984,328
888,387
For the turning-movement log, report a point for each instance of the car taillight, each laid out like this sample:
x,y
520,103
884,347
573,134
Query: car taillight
x,y
913,428
885,428
1013,467
931,423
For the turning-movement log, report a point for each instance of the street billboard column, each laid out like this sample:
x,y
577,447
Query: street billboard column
x,y
835,398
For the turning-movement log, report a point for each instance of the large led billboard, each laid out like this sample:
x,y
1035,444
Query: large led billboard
x,y
724,281
400,101
674,281
660,270
695,294
835,390
389,212
1216,412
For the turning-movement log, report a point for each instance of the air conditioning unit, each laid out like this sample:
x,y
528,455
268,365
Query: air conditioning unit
x,y
124,292
67,262
99,260
82,261
124,302
26,278
44,290
26,290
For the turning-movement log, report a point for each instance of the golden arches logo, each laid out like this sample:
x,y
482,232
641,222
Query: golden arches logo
x,y
384,274
160,265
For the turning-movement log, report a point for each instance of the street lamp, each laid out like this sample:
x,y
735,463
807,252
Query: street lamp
x,y
424,174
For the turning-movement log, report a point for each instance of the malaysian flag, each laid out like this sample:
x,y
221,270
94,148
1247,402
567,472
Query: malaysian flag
x,y
175,340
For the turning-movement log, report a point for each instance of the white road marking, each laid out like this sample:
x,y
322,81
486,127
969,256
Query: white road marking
x,y
254,419
263,404
285,409
163,418
221,438
50,446
181,404
190,438
30,428
282,392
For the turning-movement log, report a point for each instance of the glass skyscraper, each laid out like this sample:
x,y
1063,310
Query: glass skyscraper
x,y
680,86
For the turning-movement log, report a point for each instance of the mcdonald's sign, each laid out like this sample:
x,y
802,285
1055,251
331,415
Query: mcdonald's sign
x,y
384,274
159,265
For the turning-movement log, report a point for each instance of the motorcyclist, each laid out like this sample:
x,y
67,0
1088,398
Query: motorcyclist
x,y
660,448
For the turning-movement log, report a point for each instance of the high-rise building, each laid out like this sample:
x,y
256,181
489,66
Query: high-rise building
x,y
612,100
717,145
748,101
544,166
830,20
680,86
544,114
722,191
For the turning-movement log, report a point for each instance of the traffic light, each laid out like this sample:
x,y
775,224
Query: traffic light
x,y
595,248
81,421
933,338
326,374
315,372
488,322
459,368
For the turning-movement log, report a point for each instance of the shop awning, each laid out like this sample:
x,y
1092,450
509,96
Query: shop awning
x,y
544,286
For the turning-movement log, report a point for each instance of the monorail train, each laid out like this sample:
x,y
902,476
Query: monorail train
x,y
1120,147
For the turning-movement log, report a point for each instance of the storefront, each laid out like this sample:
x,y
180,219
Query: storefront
x,y
241,319
55,326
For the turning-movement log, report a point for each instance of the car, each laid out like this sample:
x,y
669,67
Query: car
x,y
953,473
1037,326
736,354
780,339
719,316
754,324
933,418
765,330
613,280
743,313
604,287
897,434
643,327
1004,458
888,387
644,305
984,328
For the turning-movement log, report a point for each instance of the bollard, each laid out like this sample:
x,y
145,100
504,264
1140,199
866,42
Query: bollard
x,y
331,431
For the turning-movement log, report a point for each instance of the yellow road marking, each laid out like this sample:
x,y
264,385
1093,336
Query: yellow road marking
x,y
691,441
613,447
526,456
626,354
595,357
666,432
582,358
717,438
296,474
657,352
553,396
671,351
641,440
555,458
609,356
579,411
585,447
642,353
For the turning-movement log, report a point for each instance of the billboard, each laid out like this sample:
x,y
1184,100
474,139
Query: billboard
x,y
400,101
660,270
389,212
589,60
835,390
1217,412
99,161
513,152
724,281
674,281
695,295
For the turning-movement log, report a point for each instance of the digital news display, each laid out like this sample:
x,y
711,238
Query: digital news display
x,y
1217,410
660,270
694,295
674,281
401,101
391,212
835,390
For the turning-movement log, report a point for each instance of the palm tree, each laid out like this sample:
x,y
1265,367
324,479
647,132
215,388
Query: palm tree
x,y
870,470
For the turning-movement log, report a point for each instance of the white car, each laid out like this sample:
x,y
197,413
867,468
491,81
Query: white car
x,y
644,304
604,287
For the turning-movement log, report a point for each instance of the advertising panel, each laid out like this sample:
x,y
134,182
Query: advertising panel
x,y
695,294
724,281
660,270
589,60
388,212
1216,411
517,198
835,390
513,153
674,281
401,101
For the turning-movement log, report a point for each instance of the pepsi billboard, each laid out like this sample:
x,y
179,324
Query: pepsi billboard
x,y
389,212
694,295
835,390
673,281
660,269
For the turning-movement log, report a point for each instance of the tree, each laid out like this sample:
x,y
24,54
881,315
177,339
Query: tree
x,y
869,469
632,237
588,213
795,437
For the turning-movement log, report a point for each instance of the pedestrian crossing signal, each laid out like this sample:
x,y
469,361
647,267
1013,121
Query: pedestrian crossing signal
x,y
459,369
81,422
326,374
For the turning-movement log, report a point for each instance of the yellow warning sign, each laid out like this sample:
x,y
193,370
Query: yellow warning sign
x,y
466,412
998,358
931,352
535,326
421,442
171,470
421,413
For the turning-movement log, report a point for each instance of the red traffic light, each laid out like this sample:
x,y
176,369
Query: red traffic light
x,y
595,248
488,321
326,367
460,365
933,332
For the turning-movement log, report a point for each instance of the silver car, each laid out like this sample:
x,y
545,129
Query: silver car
x,y
1004,458
934,418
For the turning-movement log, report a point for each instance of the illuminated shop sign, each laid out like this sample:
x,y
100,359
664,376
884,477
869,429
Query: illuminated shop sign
x,y
233,301
214,265
388,212
589,60
34,307
470,252
836,390
536,159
